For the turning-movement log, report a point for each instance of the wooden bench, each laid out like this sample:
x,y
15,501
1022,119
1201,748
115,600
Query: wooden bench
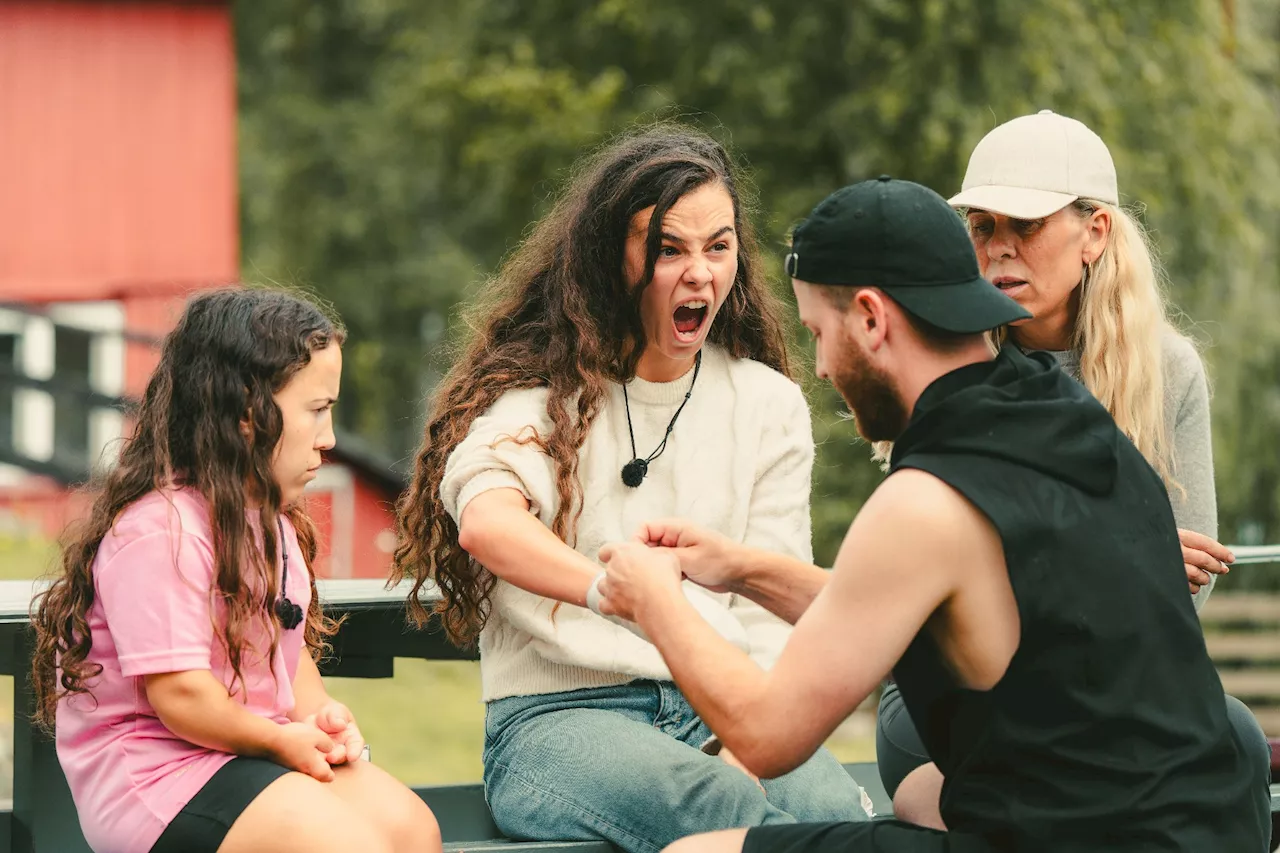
x,y
43,817
1242,633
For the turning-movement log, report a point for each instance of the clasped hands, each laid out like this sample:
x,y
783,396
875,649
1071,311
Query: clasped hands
x,y
320,741
647,570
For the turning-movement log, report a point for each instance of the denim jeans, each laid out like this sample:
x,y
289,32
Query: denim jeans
x,y
623,764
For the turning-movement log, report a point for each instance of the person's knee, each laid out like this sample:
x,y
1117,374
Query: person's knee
x,y
835,803
720,797
690,844
1251,736
412,828
918,798
899,749
819,791
400,815
297,813
357,833
729,841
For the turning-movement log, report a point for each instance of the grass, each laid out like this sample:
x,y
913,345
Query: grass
x,y
425,726
25,557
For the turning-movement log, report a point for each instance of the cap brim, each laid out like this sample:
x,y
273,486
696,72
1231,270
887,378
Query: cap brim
x,y
974,306
1018,202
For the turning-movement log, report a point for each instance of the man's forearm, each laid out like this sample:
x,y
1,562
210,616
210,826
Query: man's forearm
x,y
780,584
725,688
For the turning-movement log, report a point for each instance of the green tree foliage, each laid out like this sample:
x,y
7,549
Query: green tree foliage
x,y
394,150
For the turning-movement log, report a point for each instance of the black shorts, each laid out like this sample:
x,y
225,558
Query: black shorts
x,y
205,820
875,836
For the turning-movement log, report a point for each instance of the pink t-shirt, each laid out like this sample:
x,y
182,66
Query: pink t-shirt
x,y
153,576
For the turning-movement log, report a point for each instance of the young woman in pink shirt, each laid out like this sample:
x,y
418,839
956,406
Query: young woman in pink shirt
x,y
175,656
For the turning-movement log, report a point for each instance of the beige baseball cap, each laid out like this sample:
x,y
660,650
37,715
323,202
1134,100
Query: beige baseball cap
x,y
1036,165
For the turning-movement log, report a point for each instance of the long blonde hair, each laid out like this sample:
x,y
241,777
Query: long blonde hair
x,y
1120,335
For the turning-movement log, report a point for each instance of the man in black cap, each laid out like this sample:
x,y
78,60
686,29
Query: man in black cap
x,y
1018,571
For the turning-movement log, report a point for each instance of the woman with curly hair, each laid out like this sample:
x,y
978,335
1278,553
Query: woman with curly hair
x,y
628,363
176,652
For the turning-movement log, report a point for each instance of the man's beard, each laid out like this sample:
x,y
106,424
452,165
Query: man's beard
x,y
877,409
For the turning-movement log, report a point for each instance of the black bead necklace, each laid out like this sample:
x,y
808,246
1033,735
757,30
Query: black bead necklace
x,y
633,473
289,614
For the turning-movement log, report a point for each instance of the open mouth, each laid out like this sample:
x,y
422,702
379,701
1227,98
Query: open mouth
x,y
689,319
1007,283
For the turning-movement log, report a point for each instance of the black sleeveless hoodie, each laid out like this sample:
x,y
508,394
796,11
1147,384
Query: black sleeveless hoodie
x,y
1109,729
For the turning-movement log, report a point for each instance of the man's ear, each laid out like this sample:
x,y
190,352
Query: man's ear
x,y
868,318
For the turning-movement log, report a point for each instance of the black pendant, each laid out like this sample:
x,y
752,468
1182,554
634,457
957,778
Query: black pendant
x,y
289,614
633,472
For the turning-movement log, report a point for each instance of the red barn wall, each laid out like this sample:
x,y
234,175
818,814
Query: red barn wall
x,y
119,176
117,149
375,529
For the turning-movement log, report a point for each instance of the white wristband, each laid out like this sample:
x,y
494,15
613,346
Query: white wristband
x,y
593,595
593,604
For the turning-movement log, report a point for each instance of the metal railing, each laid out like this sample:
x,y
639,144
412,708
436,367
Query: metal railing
x,y
1252,554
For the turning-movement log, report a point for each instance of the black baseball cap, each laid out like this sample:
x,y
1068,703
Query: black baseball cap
x,y
904,239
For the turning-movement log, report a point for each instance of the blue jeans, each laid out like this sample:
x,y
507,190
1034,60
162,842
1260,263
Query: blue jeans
x,y
623,764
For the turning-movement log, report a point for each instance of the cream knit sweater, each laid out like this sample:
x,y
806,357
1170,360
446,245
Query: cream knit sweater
x,y
739,461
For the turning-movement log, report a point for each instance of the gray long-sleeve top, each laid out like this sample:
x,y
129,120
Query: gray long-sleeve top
x,y
1186,412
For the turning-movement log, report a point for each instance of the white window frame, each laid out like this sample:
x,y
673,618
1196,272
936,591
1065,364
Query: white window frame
x,y
13,323
106,370
34,408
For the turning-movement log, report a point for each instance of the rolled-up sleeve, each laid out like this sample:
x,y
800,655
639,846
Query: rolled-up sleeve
x,y
497,455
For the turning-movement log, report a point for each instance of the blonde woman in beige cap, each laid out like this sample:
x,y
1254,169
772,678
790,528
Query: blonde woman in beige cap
x,y
1044,214
1043,210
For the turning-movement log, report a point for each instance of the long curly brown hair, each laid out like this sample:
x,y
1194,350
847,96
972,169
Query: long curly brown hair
x,y
232,349
559,314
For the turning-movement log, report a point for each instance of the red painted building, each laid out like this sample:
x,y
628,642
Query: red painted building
x,y
118,196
